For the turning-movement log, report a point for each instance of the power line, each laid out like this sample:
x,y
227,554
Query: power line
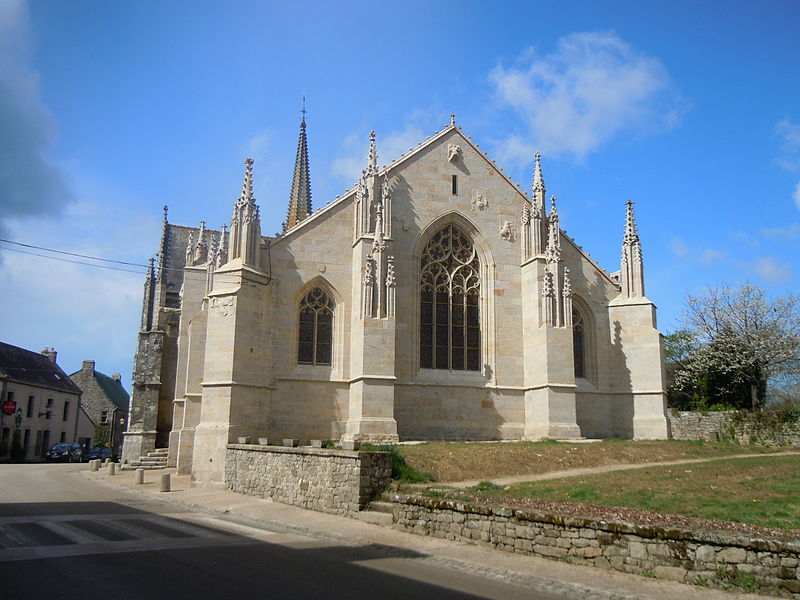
x,y
76,262
111,260
186,275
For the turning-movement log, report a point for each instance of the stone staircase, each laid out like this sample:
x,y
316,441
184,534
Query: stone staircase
x,y
157,459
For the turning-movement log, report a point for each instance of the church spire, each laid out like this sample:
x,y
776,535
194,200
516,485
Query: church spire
x,y
632,266
300,196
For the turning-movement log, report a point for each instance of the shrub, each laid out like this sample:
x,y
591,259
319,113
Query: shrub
x,y
401,471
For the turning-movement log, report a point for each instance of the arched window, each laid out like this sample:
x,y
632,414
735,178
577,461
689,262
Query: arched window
x,y
578,344
316,329
450,285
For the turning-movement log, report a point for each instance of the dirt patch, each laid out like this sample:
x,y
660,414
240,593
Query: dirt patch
x,y
459,461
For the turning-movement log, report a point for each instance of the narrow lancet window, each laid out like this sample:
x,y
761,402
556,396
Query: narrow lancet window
x,y
578,344
454,185
450,335
315,346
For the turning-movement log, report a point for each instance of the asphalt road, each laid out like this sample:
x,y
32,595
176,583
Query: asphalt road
x,y
63,537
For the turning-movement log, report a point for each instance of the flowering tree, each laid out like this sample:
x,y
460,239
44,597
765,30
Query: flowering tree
x,y
737,340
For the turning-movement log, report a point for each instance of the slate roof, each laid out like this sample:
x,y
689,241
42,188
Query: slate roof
x,y
32,368
113,390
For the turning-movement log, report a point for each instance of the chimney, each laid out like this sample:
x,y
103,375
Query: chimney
x,y
88,366
117,377
51,354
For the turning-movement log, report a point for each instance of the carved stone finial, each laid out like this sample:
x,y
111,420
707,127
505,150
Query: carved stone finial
x,y
537,187
247,182
166,208
372,155
567,291
631,235
452,120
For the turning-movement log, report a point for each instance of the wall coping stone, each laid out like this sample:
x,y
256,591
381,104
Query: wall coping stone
x,y
307,450
611,526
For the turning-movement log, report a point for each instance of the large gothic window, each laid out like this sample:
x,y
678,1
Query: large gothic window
x,y
316,329
450,285
578,344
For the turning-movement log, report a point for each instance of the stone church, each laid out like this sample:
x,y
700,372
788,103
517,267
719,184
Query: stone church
x,y
433,301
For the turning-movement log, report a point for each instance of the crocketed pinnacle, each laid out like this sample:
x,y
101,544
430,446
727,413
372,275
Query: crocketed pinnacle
x,y
247,182
300,197
631,235
372,156
538,180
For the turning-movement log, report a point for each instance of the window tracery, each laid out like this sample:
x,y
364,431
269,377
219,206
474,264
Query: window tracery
x,y
315,345
578,343
449,303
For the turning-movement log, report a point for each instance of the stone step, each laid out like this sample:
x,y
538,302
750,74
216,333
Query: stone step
x,y
153,460
159,452
376,518
382,507
135,465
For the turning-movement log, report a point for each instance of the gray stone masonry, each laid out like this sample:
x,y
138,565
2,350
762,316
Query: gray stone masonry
x,y
331,481
692,425
668,553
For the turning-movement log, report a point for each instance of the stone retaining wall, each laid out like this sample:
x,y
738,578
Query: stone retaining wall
x,y
691,425
703,558
332,481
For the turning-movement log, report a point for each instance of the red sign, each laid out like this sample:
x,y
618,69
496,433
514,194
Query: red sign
x,y
9,406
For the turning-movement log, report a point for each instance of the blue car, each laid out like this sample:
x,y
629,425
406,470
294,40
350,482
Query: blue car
x,y
65,452
101,452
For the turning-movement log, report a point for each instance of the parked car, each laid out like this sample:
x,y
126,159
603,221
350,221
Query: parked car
x,y
65,452
101,452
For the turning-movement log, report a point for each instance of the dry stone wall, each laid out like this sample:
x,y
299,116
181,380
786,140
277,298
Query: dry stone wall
x,y
332,481
691,425
684,555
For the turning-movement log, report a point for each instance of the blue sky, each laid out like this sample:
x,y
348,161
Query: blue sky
x,y
111,109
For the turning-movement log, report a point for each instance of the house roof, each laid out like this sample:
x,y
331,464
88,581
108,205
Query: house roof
x,y
32,368
113,390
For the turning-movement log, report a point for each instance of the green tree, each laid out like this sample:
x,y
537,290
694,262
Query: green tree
x,y
737,339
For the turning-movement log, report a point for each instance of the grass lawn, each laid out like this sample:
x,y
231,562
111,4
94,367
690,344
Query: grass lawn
x,y
760,491
460,461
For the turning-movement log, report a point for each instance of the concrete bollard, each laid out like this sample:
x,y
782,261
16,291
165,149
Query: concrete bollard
x,y
94,465
165,482
112,468
140,476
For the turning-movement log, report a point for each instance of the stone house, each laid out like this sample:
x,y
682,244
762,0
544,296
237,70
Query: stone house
x,y
433,300
44,405
105,401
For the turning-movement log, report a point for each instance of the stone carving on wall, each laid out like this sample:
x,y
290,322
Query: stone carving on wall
x,y
222,306
453,152
479,201
507,231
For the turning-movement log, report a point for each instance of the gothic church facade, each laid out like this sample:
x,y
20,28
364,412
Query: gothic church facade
x,y
435,300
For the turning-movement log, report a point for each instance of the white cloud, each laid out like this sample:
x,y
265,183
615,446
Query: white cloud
x,y
770,269
790,231
352,158
30,185
679,248
789,157
591,89
84,312
256,147
796,196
